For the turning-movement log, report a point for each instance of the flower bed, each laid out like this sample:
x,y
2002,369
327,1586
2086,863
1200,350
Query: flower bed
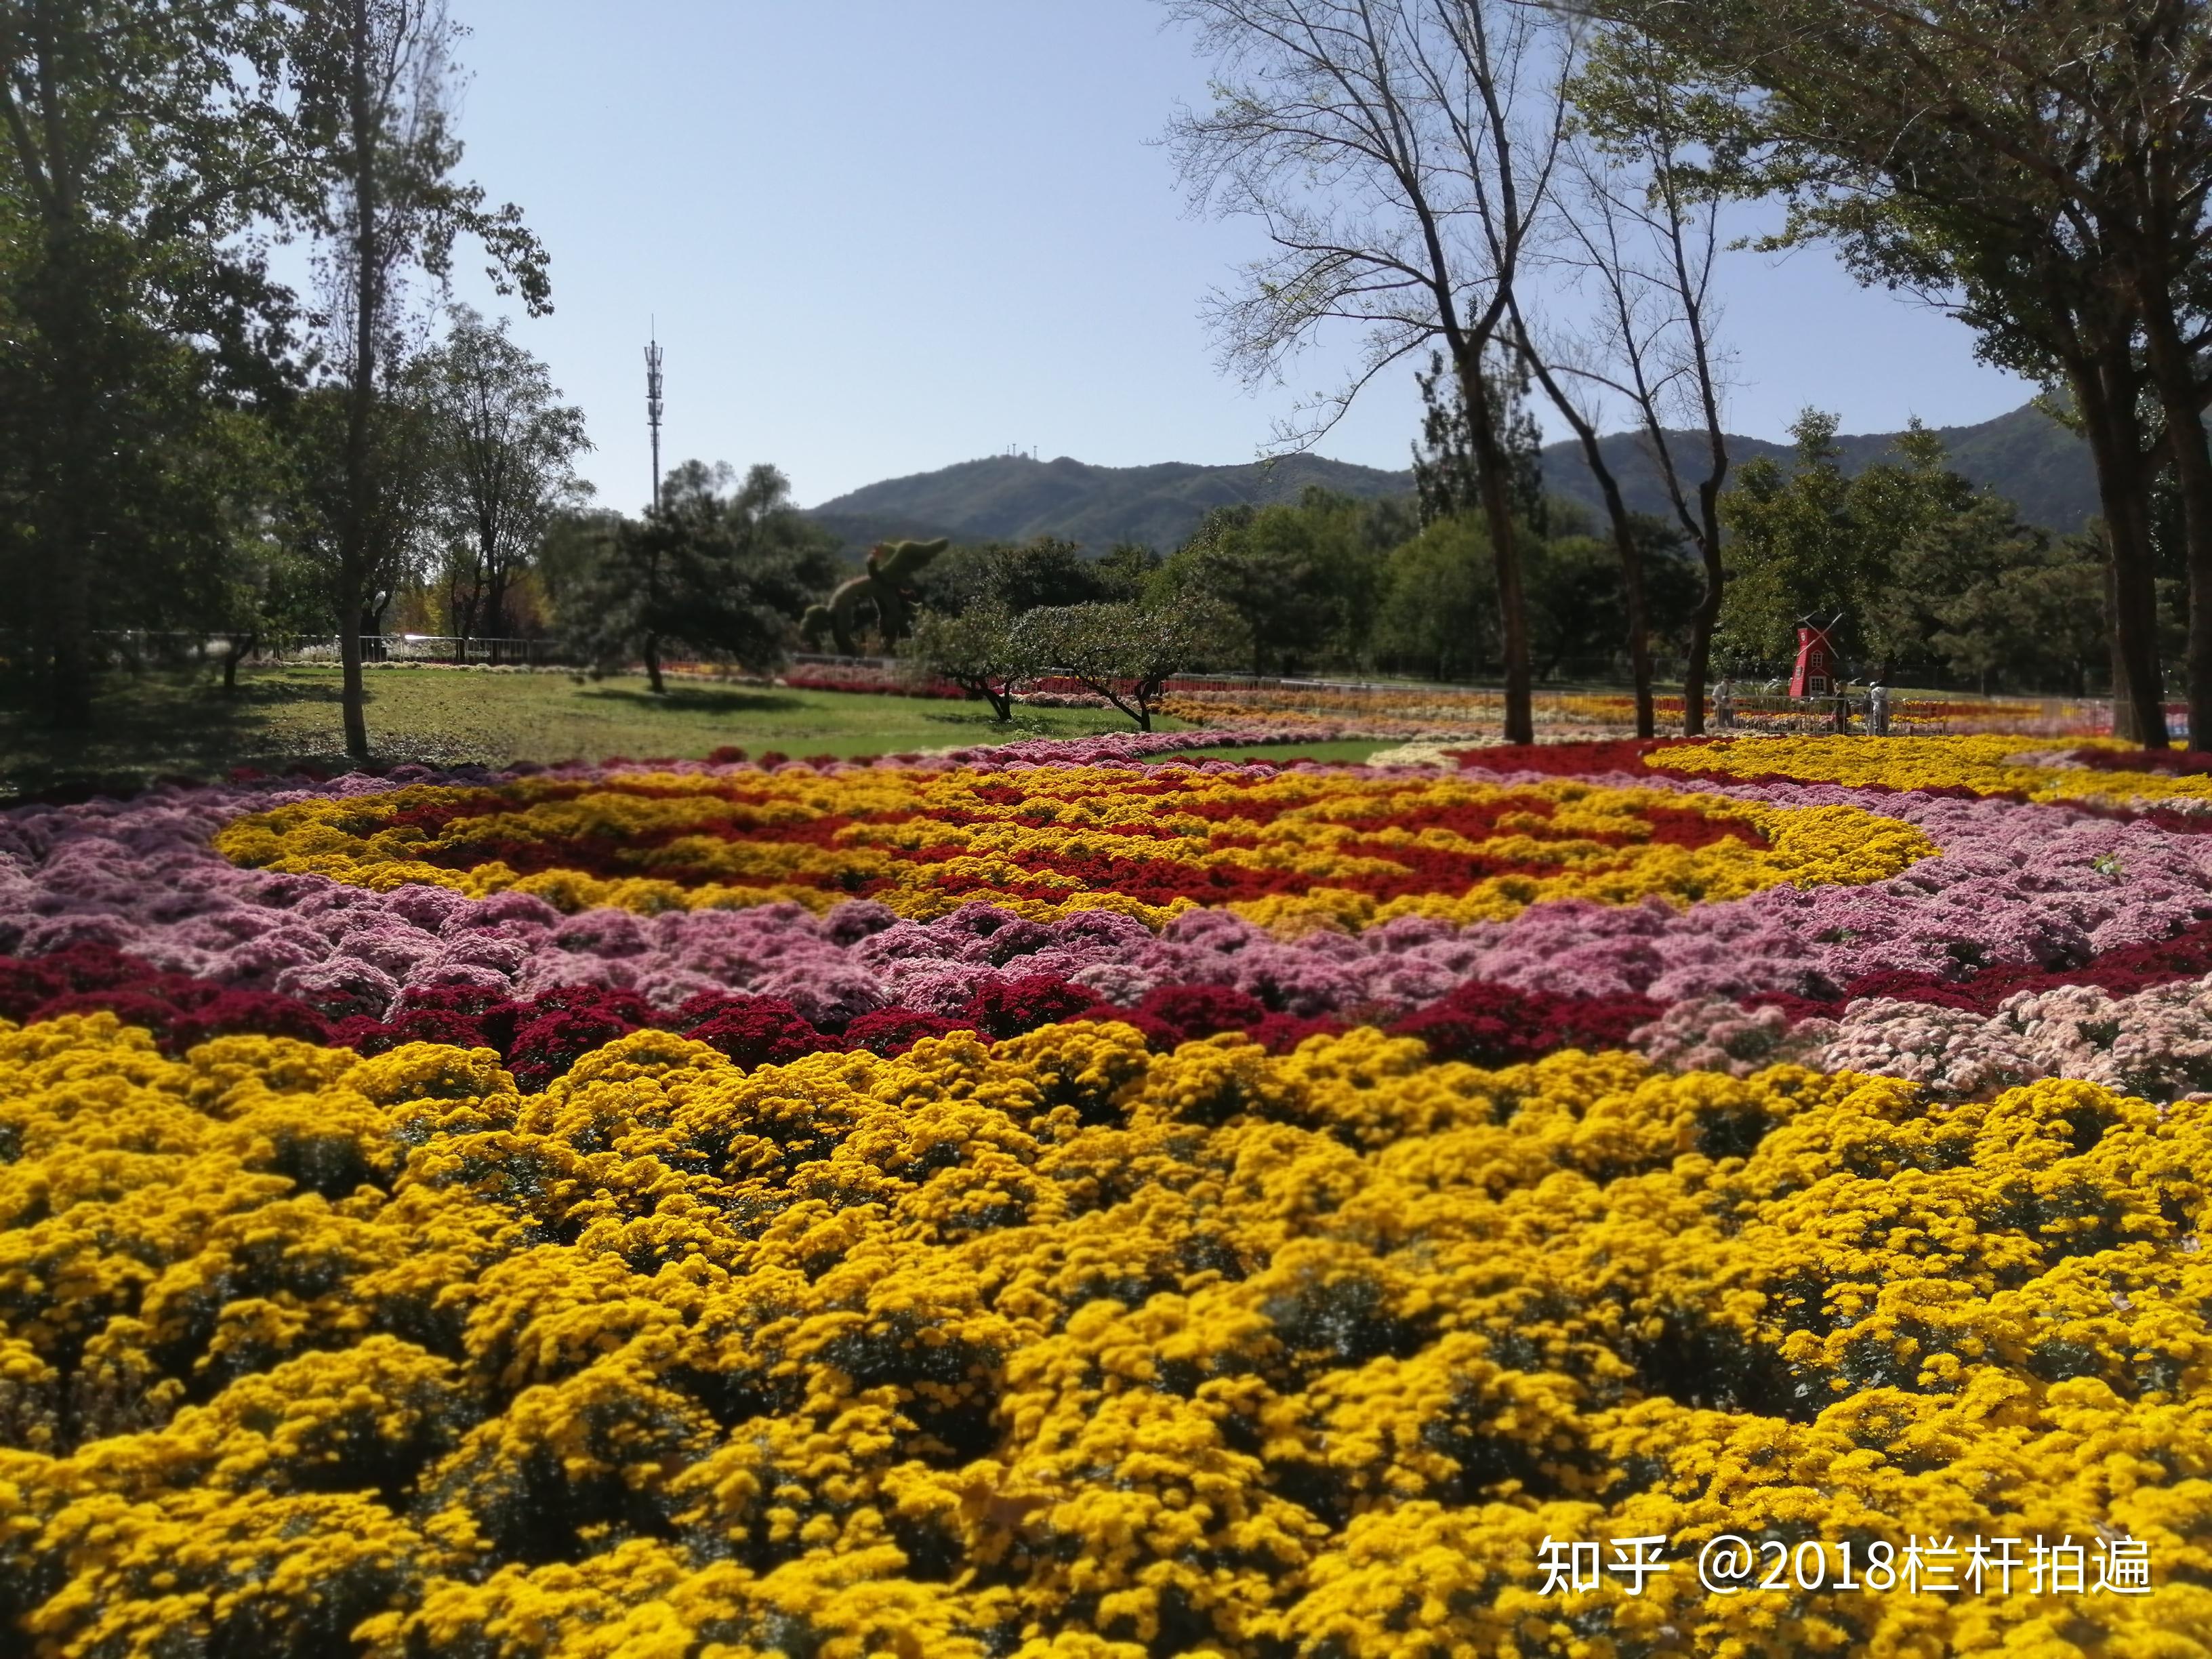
x,y
1050,1202
864,676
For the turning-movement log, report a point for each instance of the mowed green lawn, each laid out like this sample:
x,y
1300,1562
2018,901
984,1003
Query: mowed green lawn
x,y
164,725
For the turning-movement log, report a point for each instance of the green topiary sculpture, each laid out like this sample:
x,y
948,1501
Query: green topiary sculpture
x,y
891,566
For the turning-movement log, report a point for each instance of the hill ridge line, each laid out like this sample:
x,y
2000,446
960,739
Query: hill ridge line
x,y
2023,455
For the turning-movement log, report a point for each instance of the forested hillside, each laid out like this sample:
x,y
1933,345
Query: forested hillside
x,y
2024,456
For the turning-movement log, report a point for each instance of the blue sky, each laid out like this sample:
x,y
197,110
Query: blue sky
x,y
880,236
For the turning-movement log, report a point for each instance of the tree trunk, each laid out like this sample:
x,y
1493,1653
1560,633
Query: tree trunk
x,y
360,391
67,560
2104,394
351,700
652,664
2124,708
1624,542
1519,724
1640,623
2175,375
494,606
1707,618
70,615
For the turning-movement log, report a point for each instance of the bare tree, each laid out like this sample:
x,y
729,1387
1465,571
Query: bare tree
x,y
372,80
1640,230
1398,153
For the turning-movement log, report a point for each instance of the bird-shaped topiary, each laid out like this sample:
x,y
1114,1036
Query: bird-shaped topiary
x,y
891,566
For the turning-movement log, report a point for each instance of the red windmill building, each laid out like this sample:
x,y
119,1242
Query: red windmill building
x,y
1815,673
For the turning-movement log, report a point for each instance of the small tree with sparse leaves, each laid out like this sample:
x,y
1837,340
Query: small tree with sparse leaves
x,y
985,649
1128,653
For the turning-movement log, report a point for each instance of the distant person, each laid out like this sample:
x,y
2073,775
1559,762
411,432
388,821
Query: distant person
x,y
1878,710
1724,704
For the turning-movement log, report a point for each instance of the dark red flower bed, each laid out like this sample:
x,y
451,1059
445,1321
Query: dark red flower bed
x,y
2132,968
178,1008
1486,1024
540,1038
869,684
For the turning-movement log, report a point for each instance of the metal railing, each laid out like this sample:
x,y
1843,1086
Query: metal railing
x,y
449,649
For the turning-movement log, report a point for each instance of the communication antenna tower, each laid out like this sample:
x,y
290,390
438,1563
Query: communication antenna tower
x,y
652,410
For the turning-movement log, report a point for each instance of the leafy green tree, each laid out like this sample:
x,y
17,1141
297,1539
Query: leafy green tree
x,y
1576,612
1303,578
317,504
1127,571
241,574
1931,534
1128,653
1047,570
134,315
1793,548
572,547
1929,570
986,649
721,574
1447,471
373,83
2038,166
1436,594
2035,623
1438,615
503,455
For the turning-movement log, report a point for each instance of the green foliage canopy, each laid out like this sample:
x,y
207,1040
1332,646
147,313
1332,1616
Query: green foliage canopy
x,y
135,320
986,649
718,570
1928,571
1128,653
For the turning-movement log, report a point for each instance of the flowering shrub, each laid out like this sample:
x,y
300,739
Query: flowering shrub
x,y
1044,1202
2029,768
2022,897
1283,848
864,676
1064,1347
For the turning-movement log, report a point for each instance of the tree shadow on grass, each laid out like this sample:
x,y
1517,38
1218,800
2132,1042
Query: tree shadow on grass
x,y
271,689
979,718
144,727
700,699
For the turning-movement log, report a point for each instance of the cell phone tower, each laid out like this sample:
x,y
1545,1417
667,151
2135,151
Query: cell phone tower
x,y
652,410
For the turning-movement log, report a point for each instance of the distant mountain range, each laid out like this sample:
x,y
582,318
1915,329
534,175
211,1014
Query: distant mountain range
x,y
2024,456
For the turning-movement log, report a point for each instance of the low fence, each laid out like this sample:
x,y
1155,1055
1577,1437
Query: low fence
x,y
448,649
1412,708
1855,711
